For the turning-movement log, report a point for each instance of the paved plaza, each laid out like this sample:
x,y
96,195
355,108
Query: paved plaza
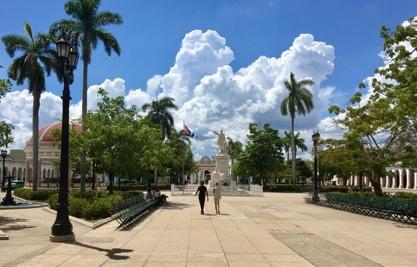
x,y
274,230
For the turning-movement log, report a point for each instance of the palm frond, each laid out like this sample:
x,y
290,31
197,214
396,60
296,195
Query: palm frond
x,y
109,41
107,17
14,43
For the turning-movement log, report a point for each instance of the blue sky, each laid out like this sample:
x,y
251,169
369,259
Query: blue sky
x,y
219,78
152,33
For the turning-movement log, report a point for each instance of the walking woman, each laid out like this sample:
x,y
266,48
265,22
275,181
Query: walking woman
x,y
217,192
202,193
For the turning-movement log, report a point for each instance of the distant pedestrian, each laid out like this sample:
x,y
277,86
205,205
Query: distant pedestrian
x,y
217,192
202,193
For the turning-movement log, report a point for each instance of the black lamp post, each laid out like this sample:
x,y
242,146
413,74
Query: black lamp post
x,y
3,178
8,199
316,137
68,59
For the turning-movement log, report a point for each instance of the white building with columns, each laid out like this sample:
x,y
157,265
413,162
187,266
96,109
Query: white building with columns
x,y
399,179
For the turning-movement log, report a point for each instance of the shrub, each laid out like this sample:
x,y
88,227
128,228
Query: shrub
x,y
101,207
397,204
29,194
77,206
141,187
298,188
53,201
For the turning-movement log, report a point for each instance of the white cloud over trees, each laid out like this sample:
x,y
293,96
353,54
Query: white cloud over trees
x,y
210,94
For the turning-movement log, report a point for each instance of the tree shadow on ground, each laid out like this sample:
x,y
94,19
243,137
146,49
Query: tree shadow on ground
x,y
175,206
12,224
111,253
403,225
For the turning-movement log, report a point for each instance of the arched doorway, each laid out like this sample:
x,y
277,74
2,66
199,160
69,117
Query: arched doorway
x,y
14,172
404,178
44,174
49,174
19,174
53,174
384,182
411,185
396,179
207,176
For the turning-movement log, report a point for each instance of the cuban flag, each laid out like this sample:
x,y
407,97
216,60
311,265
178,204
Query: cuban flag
x,y
187,131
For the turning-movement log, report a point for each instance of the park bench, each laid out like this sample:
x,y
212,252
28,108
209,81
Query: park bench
x,y
133,210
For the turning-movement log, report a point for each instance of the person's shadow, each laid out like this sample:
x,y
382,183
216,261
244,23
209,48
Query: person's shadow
x,y
111,253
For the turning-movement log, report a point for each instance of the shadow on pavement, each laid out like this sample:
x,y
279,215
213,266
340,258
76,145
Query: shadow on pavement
x,y
174,206
111,253
12,224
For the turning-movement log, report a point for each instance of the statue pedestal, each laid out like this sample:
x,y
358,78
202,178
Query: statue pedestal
x,y
222,165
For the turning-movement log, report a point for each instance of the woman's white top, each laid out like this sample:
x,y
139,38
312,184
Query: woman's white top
x,y
217,192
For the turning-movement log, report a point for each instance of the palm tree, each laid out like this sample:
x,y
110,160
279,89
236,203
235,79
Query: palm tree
x,y
88,24
300,101
299,143
159,114
234,148
36,58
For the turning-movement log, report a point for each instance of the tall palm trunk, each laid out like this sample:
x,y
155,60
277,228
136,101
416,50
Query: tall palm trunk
x,y
83,115
293,147
35,138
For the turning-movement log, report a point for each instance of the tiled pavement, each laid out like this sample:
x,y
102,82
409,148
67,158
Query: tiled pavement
x,y
275,230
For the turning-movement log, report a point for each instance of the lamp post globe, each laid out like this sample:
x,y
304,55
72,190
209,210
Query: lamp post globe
x,y
68,58
316,138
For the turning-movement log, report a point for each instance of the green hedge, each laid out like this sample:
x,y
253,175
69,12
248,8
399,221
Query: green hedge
x,y
395,203
29,194
298,188
92,205
141,187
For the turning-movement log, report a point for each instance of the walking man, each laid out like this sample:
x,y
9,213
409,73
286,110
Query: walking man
x,y
202,193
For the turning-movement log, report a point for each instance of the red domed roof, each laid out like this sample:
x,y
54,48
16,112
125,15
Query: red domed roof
x,y
46,132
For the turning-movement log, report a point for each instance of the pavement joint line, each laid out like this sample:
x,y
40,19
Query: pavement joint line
x,y
159,239
189,235
217,235
250,241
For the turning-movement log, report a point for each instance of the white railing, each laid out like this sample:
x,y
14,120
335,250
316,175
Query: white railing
x,y
230,190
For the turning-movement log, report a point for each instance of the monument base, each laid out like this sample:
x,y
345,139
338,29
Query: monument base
x,y
222,166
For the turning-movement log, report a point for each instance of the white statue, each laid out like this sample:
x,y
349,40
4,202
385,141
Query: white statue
x,y
221,141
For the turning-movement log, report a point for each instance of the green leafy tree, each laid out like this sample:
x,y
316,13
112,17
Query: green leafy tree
x,y
263,153
36,57
159,114
6,137
299,101
181,156
385,122
110,137
88,23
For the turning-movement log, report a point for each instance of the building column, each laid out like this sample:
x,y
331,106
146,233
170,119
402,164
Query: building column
x,y
355,180
401,185
394,179
408,178
39,173
27,167
415,180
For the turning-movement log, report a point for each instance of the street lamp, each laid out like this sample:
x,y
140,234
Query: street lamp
x,y
8,199
68,59
3,155
316,137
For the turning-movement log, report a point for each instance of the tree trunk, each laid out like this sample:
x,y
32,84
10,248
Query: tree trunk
x,y
376,184
83,115
360,180
35,138
111,177
293,147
